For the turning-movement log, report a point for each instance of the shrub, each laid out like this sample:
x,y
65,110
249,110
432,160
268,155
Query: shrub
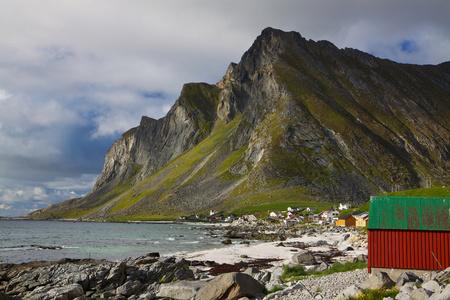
x,y
375,294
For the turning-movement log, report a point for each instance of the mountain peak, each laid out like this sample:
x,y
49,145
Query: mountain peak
x,y
294,120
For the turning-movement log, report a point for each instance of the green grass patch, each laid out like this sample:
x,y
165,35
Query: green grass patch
x,y
427,192
379,294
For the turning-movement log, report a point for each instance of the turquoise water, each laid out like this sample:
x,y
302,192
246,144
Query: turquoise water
x,y
24,241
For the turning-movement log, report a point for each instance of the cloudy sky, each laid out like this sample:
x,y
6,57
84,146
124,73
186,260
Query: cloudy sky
x,y
75,75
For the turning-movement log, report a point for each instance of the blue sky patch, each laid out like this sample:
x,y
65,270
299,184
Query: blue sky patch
x,y
409,46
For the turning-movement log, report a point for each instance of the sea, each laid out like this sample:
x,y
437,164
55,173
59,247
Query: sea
x,y
25,240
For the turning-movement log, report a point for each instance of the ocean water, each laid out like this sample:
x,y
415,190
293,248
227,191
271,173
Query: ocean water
x,y
24,241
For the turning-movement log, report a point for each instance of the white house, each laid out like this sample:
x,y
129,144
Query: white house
x,y
212,212
330,214
311,209
344,206
276,215
292,221
294,209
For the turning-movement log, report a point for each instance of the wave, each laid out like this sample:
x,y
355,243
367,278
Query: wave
x,y
194,242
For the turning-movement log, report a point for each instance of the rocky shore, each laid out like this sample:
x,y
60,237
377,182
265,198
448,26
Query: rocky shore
x,y
246,272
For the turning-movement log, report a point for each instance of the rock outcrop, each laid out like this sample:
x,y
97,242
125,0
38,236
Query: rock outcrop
x,y
294,118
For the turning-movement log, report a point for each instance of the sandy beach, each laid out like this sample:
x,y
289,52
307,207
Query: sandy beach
x,y
283,251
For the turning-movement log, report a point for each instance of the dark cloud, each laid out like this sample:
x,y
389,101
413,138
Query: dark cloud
x,y
75,75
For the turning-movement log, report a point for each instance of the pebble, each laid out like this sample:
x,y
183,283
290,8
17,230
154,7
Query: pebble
x,y
326,287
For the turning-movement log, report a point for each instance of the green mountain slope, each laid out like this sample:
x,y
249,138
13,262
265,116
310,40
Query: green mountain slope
x,y
294,121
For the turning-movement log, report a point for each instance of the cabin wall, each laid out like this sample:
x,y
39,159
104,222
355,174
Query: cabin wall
x,y
408,249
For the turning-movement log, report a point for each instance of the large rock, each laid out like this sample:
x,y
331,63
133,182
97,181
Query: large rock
x,y
230,286
129,288
377,281
420,294
181,290
406,277
443,276
67,292
443,295
350,291
304,257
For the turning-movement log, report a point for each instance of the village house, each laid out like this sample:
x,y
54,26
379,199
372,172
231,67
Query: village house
x,y
344,206
311,209
294,209
408,233
276,216
329,214
292,221
346,220
249,218
362,220
212,212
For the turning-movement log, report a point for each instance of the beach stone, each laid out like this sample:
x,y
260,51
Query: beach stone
x,y
420,294
377,281
350,291
180,289
129,288
443,276
404,278
230,286
432,286
304,257
67,292
443,295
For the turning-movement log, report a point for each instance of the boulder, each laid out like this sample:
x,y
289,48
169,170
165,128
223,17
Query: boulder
x,y
432,286
67,292
420,294
230,286
184,289
304,257
443,276
377,281
406,277
350,291
129,288
443,295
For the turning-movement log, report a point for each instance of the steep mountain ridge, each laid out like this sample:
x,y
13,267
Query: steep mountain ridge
x,y
294,120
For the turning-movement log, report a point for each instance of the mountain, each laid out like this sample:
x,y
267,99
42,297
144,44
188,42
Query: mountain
x,y
294,120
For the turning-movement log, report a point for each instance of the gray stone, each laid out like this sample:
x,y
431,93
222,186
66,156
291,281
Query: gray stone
x,y
230,286
350,291
420,294
304,257
442,295
67,292
443,276
377,281
432,286
404,278
184,289
129,288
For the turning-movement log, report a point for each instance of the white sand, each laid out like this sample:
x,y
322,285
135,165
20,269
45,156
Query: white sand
x,y
237,253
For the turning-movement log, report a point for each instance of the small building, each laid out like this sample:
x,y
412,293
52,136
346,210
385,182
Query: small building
x,y
311,209
409,233
343,206
294,209
276,215
249,218
213,212
362,220
346,220
329,214
292,221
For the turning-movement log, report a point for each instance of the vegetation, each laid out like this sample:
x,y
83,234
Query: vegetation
x,y
298,272
378,294
427,192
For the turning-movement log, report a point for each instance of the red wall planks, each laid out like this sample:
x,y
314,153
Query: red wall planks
x,y
409,249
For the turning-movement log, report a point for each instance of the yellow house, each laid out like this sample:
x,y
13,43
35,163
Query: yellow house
x,y
346,220
362,220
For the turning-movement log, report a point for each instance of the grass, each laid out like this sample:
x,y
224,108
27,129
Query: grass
x,y
378,294
298,272
427,192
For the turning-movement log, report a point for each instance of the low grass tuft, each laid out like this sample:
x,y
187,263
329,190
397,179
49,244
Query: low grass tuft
x,y
298,272
375,294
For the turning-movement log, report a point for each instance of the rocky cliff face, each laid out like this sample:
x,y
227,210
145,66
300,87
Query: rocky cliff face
x,y
296,120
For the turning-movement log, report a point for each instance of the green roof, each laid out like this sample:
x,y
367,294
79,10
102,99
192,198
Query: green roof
x,y
409,213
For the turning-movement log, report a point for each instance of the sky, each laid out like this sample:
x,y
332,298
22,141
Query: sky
x,y
75,75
